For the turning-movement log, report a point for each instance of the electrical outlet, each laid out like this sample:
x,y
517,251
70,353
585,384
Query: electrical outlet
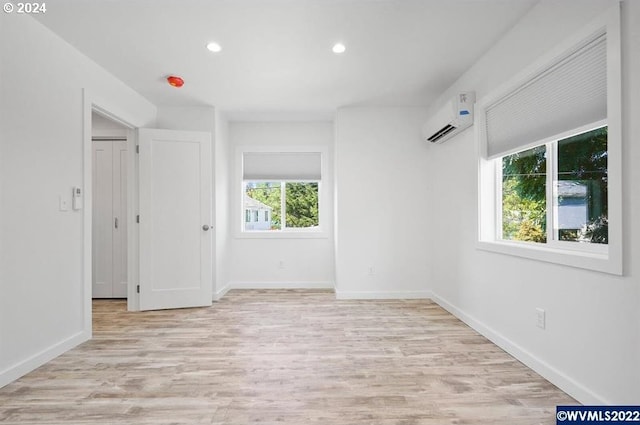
x,y
281,264
541,319
371,271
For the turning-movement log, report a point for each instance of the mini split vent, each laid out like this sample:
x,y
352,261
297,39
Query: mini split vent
x,y
451,119
440,134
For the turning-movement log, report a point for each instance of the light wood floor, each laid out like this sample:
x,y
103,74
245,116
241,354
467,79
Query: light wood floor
x,y
282,357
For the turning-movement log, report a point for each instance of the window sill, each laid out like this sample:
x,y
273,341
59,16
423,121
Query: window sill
x,y
256,234
600,262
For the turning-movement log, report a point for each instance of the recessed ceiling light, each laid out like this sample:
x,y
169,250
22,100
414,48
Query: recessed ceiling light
x,y
214,47
339,48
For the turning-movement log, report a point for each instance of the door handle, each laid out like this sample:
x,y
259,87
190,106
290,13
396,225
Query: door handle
x,y
206,227
116,222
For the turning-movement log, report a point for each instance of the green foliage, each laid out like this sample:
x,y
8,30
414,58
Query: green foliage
x,y
584,156
530,168
597,231
523,219
524,211
530,232
302,204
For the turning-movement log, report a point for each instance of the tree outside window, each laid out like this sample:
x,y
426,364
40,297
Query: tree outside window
x,y
579,200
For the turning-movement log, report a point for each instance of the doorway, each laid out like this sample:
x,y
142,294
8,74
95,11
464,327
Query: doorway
x,y
149,152
109,205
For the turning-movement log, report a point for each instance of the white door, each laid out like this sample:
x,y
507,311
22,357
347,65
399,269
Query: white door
x,y
109,219
176,264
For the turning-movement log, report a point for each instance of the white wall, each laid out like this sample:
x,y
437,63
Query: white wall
x,y
43,293
255,262
591,345
191,118
383,228
104,127
101,125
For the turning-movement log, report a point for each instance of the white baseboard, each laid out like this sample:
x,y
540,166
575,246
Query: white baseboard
x,y
221,292
553,375
282,285
382,295
25,366
344,295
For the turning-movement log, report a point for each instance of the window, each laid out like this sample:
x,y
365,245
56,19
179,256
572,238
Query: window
x,y
575,168
284,188
550,156
293,205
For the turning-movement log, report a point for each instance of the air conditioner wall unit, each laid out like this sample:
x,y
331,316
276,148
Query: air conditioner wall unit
x,y
455,116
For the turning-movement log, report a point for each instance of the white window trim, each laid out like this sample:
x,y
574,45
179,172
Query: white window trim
x,y
606,259
320,232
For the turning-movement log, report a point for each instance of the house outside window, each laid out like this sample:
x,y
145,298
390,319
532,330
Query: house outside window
x,y
253,208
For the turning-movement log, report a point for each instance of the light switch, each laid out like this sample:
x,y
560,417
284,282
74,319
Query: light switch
x,y
64,203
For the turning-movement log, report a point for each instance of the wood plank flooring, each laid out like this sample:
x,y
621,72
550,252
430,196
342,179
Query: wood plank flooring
x,y
283,357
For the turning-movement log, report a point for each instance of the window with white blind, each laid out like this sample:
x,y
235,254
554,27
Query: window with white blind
x,y
282,190
550,161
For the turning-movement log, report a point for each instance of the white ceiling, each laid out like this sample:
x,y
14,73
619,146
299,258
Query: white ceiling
x,y
277,53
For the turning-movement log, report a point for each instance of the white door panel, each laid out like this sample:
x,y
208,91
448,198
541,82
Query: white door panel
x,y
109,219
102,220
175,202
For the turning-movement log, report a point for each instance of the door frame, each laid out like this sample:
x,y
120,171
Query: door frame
x,y
92,102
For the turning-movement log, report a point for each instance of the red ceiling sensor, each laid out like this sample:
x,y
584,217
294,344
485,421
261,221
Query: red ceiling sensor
x,y
175,81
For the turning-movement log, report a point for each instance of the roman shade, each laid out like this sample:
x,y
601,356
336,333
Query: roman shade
x,y
570,93
279,166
